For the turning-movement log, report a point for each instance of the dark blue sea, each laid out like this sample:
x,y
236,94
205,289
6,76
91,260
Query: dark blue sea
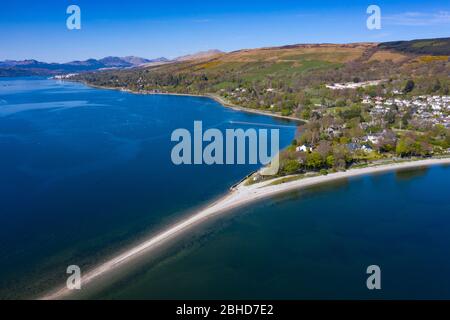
x,y
313,244
85,172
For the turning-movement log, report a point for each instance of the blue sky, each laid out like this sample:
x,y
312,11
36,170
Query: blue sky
x,y
37,29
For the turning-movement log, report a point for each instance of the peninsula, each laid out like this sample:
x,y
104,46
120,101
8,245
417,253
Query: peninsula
x,y
240,196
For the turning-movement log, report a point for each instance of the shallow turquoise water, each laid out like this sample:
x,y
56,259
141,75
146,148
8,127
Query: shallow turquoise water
x,y
84,172
314,244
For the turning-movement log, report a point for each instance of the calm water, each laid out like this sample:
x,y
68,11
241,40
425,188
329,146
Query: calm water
x,y
84,172
314,244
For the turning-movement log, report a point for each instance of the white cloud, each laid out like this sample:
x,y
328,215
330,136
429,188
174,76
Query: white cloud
x,y
418,18
201,20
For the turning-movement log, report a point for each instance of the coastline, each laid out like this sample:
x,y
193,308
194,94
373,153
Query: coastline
x,y
240,196
238,108
212,96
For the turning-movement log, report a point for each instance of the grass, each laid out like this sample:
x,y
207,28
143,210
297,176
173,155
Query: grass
x,y
427,59
260,69
225,85
384,55
287,179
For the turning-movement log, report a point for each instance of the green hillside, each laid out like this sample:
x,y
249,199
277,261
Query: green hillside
x,y
290,78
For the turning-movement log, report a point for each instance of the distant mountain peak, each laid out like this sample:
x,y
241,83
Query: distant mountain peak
x,y
34,67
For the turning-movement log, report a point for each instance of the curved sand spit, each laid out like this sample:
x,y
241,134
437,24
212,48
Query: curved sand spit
x,y
242,195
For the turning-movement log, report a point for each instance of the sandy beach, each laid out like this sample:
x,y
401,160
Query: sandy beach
x,y
240,196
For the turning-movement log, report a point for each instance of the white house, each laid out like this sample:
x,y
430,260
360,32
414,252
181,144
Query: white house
x,y
366,149
303,148
374,139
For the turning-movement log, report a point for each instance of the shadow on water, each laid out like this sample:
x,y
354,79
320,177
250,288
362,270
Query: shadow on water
x,y
409,174
311,191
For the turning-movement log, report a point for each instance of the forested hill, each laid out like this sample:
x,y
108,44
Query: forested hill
x,y
430,46
285,79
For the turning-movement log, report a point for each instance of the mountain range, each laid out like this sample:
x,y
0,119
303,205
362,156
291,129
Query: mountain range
x,y
251,62
38,68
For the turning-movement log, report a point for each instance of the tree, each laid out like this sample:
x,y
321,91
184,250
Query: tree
x,y
353,112
388,141
412,145
291,166
324,149
341,156
330,161
402,148
314,160
409,86
405,119
437,86
390,117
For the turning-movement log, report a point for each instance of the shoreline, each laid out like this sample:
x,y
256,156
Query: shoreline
x,y
241,196
212,96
